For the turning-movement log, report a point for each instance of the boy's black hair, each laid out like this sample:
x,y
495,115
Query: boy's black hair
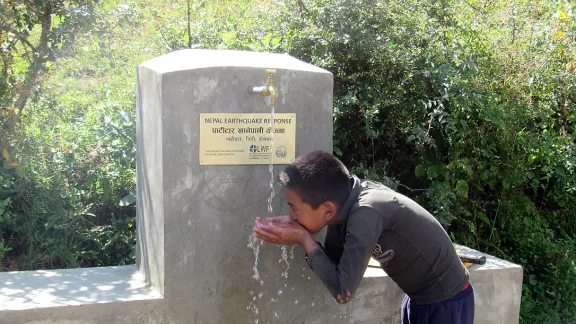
x,y
317,177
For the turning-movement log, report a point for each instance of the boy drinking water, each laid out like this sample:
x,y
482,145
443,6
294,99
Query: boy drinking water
x,y
365,219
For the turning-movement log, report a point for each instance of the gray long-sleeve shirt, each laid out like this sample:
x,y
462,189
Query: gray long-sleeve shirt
x,y
410,244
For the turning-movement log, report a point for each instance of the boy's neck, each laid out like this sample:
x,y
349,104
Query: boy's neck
x,y
336,221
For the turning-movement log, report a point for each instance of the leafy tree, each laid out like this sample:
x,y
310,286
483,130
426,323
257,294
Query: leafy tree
x,y
33,33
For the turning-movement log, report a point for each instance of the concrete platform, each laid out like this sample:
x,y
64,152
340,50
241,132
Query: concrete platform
x,y
120,295
23,290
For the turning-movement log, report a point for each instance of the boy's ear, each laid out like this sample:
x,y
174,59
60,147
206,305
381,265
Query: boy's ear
x,y
330,211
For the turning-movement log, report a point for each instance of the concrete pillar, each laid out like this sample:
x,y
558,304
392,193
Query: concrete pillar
x,y
194,220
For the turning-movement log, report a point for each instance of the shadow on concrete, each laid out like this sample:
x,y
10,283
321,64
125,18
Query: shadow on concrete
x,y
52,288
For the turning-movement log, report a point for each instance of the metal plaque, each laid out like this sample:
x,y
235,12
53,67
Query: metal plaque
x,y
239,139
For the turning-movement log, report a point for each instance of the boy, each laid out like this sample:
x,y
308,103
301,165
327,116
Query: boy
x,y
367,219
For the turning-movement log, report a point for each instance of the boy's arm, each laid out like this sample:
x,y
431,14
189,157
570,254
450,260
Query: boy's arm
x,y
342,279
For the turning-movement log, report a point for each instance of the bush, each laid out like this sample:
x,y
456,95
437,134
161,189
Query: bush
x,y
427,100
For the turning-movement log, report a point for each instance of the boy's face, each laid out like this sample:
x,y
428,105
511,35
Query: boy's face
x,y
312,219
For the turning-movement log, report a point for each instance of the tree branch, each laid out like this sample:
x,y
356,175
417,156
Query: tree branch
x,y
43,51
32,7
21,37
4,63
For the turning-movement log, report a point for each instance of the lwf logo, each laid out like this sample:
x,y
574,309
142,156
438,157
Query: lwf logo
x,y
259,149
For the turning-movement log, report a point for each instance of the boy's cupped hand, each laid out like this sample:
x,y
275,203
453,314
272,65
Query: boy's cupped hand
x,y
275,219
279,230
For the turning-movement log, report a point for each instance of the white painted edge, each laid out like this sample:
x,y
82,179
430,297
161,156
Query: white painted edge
x,y
191,59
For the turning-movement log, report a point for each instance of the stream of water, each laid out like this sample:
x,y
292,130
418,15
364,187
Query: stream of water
x,y
255,243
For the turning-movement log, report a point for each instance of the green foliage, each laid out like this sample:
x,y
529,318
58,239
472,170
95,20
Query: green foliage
x,y
10,174
75,157
474,107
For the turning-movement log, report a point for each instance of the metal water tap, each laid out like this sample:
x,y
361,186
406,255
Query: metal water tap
x,y
268,90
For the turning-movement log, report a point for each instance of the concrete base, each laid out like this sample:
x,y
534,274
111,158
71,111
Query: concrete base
x,y
497,293
117,295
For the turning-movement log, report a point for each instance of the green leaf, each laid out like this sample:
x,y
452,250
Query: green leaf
x,y
228,37
3,205
128,200
275,41
266,39
90,179
20,172
462,188
431,172
337,150
420,170
7,165
104,184
485,219
532,280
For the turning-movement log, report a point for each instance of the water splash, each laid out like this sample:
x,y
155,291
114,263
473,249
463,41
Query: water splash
x,y
285,259
253,308
255,243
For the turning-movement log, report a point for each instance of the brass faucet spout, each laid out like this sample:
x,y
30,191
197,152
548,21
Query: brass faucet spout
x,y
268,90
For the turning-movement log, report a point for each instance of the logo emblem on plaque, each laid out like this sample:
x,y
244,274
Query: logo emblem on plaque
x,y
281,152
